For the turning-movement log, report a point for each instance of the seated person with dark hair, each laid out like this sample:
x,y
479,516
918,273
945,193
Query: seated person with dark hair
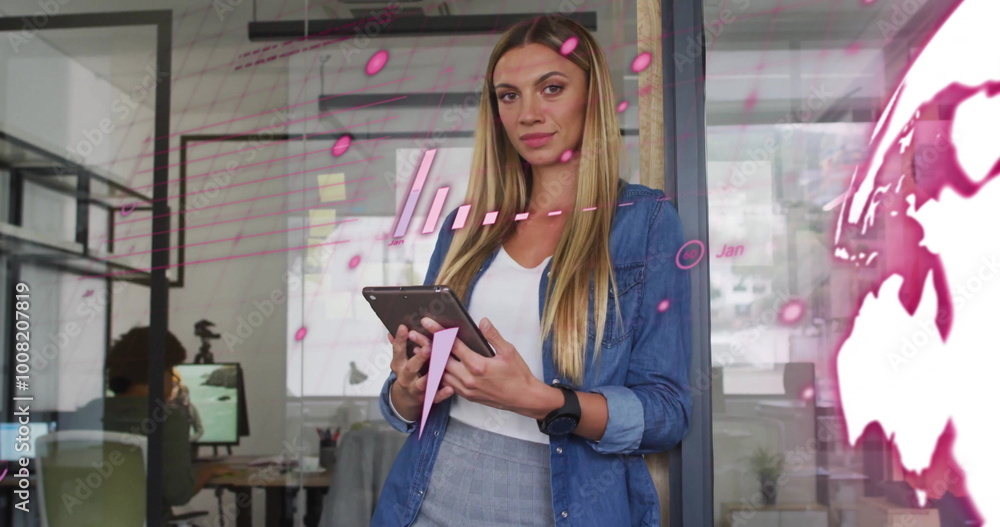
x,y
127,366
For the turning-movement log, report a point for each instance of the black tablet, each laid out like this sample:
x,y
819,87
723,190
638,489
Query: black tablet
x,y
408,304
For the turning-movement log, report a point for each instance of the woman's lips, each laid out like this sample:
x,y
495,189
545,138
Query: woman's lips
x,y
538,141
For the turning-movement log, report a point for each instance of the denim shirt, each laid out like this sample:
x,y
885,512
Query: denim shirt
x,y
642,371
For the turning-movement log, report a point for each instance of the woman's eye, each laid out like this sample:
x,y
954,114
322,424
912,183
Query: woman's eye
x,y
551,89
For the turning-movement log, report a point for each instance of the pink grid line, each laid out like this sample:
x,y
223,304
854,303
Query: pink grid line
x,y
243,219
220,259
314,101
237,202
194,192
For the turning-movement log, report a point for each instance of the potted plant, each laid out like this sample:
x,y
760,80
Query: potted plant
x,y
768,467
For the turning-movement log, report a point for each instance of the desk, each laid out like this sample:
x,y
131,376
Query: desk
x,y
879,511
279,490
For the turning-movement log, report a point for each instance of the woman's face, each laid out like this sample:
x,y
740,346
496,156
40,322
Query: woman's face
x,y
542,99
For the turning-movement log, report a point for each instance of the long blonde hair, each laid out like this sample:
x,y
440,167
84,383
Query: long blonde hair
x,y
501,181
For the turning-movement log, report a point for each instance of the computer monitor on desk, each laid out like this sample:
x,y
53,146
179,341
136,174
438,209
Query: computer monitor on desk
x,y
217,392
15,443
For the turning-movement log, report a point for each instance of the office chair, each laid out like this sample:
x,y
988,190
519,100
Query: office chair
x,y
94,477
364,458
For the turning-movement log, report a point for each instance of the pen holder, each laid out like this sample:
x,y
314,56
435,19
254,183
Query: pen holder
x,y
327,454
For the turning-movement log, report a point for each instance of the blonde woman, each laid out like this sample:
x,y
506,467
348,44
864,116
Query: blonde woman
x,y
551,430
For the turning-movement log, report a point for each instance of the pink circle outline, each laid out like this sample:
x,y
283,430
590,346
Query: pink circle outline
x,y
677,258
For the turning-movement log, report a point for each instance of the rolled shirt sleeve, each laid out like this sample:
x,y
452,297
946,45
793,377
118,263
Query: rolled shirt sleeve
x,y
625,421
394,410
389,411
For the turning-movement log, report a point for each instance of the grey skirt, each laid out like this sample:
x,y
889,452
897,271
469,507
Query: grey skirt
x,y
486,479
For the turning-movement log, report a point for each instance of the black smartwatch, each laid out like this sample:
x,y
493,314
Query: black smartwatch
x,y
563,420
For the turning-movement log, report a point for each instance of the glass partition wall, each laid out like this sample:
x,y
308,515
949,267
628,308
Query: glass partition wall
x,y
238,196
250,161
794,94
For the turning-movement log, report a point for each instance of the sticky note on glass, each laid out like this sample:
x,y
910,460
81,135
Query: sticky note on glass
x,y
440,351
332,187
321,222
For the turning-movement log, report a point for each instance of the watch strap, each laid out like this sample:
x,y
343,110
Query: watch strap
x,y
570,408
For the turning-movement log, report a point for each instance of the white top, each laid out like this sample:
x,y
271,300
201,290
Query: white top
x,y
507,294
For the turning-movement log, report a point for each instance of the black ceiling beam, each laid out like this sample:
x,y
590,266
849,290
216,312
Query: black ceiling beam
x,y
408,100
405,26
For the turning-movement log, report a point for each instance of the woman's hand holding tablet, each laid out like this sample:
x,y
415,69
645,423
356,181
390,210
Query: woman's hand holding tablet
x,y
503,381
483,367
408,391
